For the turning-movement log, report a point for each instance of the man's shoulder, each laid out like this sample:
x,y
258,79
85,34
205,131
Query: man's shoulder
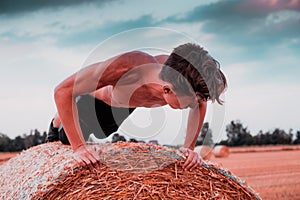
x,y
162,58
137,57
125,64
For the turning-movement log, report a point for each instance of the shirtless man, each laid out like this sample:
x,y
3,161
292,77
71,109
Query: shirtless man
x,y
188,78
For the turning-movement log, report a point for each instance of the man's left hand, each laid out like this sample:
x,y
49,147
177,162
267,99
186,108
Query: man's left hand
x,y
193,159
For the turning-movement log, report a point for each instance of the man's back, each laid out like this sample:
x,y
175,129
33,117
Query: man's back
x,y
138,87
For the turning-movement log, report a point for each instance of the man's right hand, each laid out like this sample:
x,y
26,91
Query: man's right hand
x,y
87,156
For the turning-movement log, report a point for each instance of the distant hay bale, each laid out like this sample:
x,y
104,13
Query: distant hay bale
x,y
127,171
204,151
221,151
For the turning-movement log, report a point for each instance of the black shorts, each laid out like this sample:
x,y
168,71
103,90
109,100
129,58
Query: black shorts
x,y
95,116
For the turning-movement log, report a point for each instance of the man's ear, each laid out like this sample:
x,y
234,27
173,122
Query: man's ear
x,y
166,89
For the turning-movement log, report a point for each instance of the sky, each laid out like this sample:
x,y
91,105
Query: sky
x,y
257,43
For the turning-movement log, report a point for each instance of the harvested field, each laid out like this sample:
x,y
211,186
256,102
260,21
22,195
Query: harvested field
x,y
4,157
127,171
264,148
273,172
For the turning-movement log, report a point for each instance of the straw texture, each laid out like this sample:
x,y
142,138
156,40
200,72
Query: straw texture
x,y
127,171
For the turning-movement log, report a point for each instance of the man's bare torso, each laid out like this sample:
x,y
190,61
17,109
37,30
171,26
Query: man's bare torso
x,y
137,88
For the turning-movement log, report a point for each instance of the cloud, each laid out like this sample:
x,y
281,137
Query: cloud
x,y
235,10
267,6
66,28
95,35
13,7
257,25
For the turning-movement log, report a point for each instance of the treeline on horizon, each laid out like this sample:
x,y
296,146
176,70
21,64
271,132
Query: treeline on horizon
x,y
23,142
237,135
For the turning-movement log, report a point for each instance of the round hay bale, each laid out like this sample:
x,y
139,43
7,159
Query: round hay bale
x,y
221,151
127,171
204,151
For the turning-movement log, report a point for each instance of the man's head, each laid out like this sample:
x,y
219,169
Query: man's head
x,y
192,71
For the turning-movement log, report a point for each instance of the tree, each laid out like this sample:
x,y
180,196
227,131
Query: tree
x,y
44,137
297,140
21,142
28,140
5,143
279,136
37,138
262,138
18,144
237,134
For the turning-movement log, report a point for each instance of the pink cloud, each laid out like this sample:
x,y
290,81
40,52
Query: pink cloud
x,y
266,6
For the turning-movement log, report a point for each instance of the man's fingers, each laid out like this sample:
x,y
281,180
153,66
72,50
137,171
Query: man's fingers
x,y
83,160
96,157
93,159
193,162
87,157
80,162
95,151
91,162
187,162
86,160
198,163
189,157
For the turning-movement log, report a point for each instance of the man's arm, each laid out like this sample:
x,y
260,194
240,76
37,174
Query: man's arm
x,y
195,122
82,82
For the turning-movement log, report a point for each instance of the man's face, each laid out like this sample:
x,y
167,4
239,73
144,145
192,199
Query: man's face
x,y
177,101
